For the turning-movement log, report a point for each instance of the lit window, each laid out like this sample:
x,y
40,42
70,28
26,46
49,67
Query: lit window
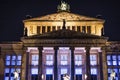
x,y
83,29
63,59
49,59
119,60
78,59
113,62
78,71
63,71
93,71
35,59
34,70
93,59
49,71
13,63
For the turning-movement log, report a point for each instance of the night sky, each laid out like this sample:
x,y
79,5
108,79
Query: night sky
x,y
13,12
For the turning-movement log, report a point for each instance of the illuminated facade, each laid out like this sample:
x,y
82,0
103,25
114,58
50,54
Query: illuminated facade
x,y
58,44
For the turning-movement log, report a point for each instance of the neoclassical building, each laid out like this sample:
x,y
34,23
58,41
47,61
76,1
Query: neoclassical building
x,y
61,43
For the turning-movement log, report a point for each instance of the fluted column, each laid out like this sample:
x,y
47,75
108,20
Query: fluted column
x,y
55,64
104,64
72,63
40,64
88,70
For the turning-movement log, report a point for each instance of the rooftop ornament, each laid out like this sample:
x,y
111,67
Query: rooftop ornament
x,y
63,7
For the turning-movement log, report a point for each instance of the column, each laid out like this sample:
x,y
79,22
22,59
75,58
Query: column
x,y
100,66
23,72
104,64
1,65
55,64
27,66
40,64
72,63
88,70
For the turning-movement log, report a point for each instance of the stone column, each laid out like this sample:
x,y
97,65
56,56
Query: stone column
x,y
104,64
40,64
1,65
100,66
88,69
72,63
27,66
55,64
23,72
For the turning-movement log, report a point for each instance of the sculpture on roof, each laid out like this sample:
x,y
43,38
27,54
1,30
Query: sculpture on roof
x,y
63,7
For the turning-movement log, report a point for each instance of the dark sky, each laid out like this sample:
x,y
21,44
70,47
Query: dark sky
x,y
12,12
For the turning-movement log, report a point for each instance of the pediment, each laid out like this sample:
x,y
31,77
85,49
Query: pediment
x,y
64,15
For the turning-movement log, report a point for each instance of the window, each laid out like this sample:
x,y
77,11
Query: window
x,y
49,71
58,27
48,28
34,71
78,71
43,29
13,60
78,28
113,63
73,28
38,29
64,59
93,71
83,29
53,28
49,59
93,59
35,59
12,63
68,27
63,71
89,29
78,59
113,60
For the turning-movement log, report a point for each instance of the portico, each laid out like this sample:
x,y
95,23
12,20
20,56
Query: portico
x,y
56,57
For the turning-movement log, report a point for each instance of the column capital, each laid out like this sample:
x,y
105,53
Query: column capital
x,y
56,48
87,48
40,48
103,47
72,47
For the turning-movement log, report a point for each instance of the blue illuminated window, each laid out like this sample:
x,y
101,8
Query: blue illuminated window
x,y
63,71
49,71
64,60
34,71
78,71
113,60
35,59
49,59
93,71
93,59
78,59
12,62
113,63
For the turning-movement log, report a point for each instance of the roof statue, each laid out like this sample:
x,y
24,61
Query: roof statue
x,y
63,7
